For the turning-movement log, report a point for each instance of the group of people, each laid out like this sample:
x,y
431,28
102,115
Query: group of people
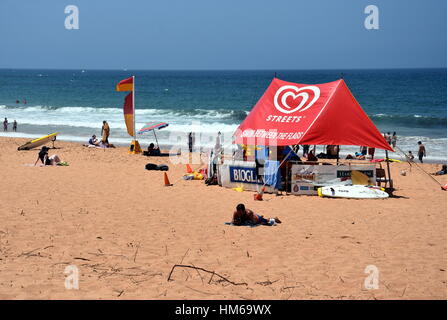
x,y
391,139
363,153
104,142
421,153
6,123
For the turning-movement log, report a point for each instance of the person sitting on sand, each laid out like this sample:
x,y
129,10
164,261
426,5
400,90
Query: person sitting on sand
x,y
332,151
46,160
242,216
410,156
311,156
152,151
363,150
441,172
93,141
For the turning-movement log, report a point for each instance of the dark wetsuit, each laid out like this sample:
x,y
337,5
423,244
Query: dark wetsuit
x,y
47,161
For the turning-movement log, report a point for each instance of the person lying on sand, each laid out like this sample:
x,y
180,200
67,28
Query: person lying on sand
x,y
105,145
242,216
46,160
442,171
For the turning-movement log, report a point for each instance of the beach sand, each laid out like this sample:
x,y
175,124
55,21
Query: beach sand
x,y
124,231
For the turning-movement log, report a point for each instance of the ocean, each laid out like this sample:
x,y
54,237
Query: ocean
x,y
411,102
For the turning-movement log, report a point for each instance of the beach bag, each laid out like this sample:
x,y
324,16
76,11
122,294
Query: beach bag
x,y
151,166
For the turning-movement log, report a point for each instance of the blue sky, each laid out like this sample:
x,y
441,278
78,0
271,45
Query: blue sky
x,y
225,34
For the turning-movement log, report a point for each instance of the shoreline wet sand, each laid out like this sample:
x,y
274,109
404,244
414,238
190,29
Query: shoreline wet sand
x,y
124,231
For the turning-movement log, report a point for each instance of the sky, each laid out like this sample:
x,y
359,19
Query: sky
x,y
224,35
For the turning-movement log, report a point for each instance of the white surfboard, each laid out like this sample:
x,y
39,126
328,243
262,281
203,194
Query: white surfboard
x,y
38,142
353,192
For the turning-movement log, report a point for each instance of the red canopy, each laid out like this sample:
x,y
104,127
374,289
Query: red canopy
x,y
323,114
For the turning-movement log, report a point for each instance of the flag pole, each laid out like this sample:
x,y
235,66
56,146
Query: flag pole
x,y
133,99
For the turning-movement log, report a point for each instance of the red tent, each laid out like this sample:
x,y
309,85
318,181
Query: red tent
x,y
323,114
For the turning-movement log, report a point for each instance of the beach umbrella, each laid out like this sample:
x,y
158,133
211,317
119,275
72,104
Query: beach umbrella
x,y
152,126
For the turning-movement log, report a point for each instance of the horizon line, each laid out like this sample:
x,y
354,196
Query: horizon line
x,y
229,69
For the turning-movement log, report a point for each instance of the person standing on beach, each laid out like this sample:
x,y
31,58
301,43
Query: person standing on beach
x,y
305,150
421,152
14,126
5,125
371,152
387,137
105,132
394,140
218,146
190,141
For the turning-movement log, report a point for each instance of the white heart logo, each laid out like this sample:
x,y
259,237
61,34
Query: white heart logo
x,y
285,92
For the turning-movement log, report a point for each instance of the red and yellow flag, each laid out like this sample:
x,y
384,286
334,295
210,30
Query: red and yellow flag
x,y
129,114
125,85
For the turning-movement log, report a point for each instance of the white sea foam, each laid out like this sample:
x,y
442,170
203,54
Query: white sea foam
x,y
77,123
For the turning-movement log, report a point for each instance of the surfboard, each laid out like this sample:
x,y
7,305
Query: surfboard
x,y
381,160
353,192
38,142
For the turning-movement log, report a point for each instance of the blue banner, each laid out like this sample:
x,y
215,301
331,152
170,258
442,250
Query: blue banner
x,y
243,175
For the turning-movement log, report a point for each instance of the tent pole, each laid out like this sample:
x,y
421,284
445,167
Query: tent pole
x,y
338,154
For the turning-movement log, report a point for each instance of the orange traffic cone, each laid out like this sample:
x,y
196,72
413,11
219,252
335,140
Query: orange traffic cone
x,y
167,183
188,168
444,187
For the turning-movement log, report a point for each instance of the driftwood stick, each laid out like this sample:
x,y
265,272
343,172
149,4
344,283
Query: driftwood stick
x,y
267,283
198,273
211,278
184,255
107,254
30,252
204,270
136,252
80,258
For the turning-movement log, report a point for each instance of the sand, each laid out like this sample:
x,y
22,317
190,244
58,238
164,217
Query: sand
x,y
124,231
